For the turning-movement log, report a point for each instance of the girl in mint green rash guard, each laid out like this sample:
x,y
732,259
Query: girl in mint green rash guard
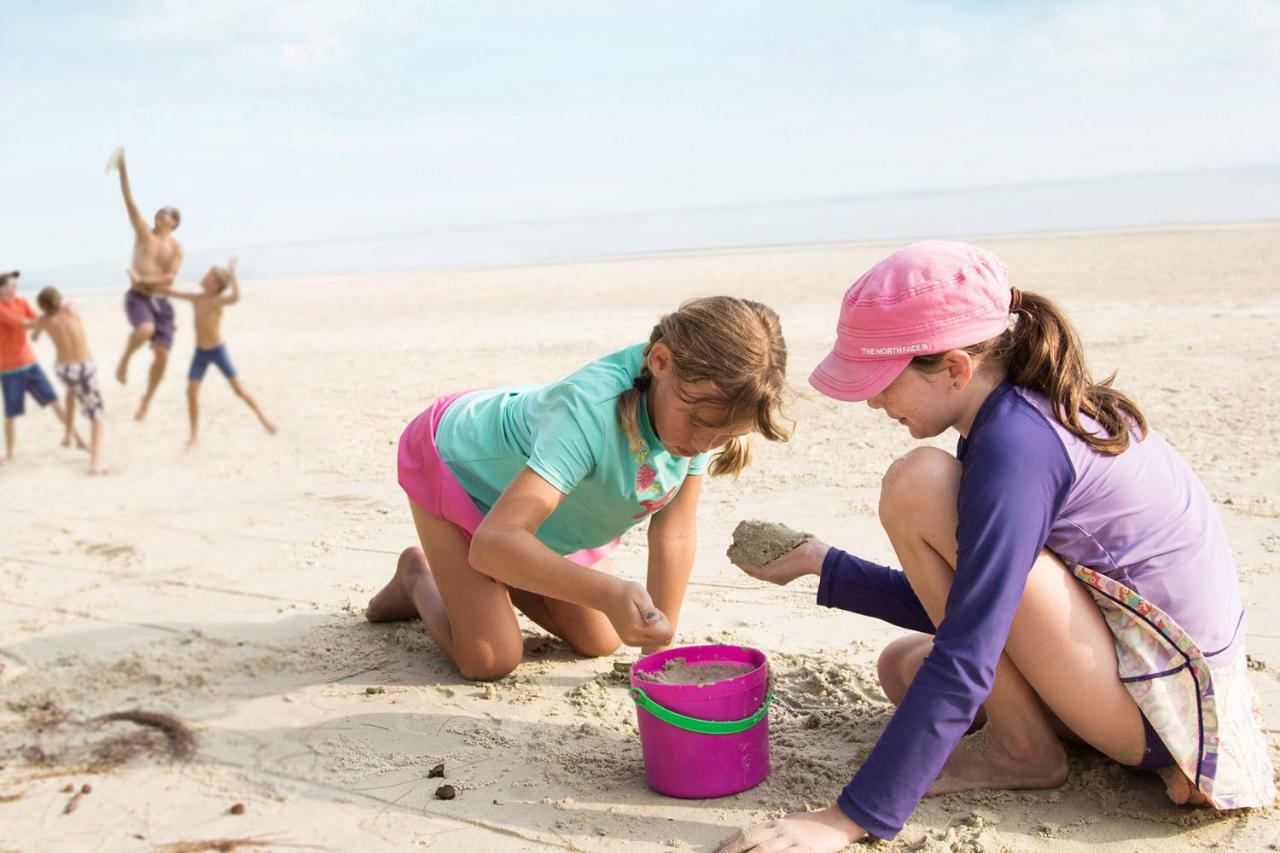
x,y
519,493
1064,573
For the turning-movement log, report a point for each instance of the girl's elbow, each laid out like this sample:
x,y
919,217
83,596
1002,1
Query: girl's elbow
x,y
485,544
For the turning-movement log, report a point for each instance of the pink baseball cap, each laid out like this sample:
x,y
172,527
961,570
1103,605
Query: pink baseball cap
x,y
927,298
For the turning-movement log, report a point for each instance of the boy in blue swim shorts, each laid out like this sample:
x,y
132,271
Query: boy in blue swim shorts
x,y
210,347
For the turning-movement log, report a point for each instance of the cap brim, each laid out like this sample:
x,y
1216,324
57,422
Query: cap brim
x,y
855,381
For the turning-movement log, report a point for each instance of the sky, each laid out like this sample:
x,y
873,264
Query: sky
x,y
276,122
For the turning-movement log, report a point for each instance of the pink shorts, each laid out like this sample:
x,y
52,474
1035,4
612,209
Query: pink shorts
x,y
429,483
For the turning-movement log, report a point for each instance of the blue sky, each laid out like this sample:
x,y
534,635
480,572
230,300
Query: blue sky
x,y
272,122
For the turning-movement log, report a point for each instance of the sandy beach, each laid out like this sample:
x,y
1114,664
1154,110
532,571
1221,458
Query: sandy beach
x,y
226,586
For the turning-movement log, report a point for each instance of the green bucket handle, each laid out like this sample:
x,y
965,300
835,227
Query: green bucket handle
x,y
694,724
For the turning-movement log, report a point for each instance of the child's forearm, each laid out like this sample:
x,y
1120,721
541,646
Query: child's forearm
x,y
514,556
670,565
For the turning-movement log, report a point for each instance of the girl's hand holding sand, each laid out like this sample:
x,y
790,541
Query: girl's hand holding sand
x,y
635,618
774,552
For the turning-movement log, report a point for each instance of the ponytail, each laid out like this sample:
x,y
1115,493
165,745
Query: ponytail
x,y
1045,354
1042,351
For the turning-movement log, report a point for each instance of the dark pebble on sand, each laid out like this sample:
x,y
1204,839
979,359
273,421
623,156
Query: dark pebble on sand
x,y
370,691
436,772
238,808
68,788
86,788
446,792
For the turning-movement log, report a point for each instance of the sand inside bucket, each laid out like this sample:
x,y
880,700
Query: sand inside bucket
x,y
680,671
759,543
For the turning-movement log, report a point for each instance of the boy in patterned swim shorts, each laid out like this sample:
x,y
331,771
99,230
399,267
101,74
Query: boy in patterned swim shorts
x,y
75,367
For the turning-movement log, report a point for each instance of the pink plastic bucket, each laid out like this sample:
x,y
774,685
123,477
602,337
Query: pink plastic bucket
x,y
704,740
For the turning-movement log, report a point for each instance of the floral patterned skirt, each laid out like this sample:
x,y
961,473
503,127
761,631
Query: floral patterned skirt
x,y
1203,710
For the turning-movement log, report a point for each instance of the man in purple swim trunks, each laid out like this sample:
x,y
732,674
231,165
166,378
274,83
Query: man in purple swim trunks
x,y
156,258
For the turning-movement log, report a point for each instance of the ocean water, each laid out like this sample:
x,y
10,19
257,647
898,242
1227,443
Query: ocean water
x,y
1222,196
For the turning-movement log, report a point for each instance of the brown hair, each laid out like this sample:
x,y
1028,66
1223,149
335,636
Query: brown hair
x,y
737,346
1041,351
49,300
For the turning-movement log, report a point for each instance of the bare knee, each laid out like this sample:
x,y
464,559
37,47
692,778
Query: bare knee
x,y
484,658
144,332
486,663
598,644
917,484
897,664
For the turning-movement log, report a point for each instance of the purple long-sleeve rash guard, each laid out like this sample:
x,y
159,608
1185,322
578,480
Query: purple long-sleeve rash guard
x,y
1028,483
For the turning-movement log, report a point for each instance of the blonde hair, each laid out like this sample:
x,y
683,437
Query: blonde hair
x,y
736,345
224,277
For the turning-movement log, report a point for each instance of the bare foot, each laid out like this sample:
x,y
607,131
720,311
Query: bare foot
x,y
270,427
6,460
122,372
193,443
66,441
142,411
981,763
1179,787
101,470
395,602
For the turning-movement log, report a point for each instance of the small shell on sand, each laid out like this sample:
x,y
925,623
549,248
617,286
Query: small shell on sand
x,y
680,671
759,543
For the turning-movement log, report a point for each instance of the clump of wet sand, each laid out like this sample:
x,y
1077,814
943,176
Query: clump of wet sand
x,y
759,543
680,671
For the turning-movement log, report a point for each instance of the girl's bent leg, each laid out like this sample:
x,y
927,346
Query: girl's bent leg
x,y
468,615
588,632
1059,651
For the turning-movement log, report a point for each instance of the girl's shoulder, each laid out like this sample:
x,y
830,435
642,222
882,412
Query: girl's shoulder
x,y
1017,423
601,381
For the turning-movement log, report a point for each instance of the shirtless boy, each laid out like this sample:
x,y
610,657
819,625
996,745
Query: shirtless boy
x,y
75,367
156,258
208,303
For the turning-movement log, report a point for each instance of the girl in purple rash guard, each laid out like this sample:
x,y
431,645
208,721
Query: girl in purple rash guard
x,y
1064,570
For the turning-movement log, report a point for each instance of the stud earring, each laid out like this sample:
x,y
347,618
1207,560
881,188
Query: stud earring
x,y
955,385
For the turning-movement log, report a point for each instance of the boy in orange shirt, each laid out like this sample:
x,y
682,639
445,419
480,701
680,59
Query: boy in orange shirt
x,y
20,374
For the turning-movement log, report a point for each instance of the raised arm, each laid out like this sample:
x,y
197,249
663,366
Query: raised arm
x,y
234,296
140,225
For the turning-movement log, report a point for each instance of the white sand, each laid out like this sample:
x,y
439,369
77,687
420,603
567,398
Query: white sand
x,y
226,585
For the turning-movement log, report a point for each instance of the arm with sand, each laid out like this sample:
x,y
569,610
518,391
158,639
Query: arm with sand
x,y
775,553
673,544
505,547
